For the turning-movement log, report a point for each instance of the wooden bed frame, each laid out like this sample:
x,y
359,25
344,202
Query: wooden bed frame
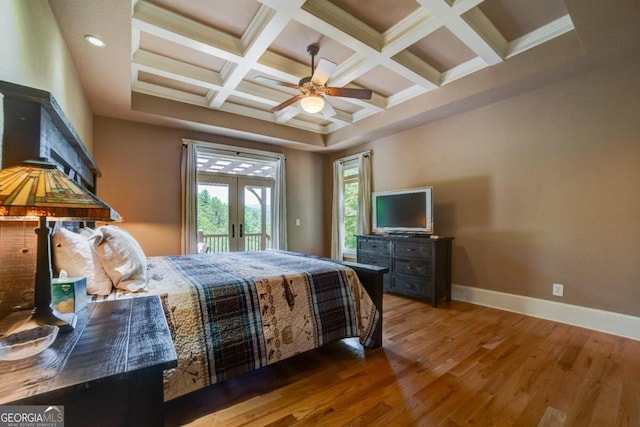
x,y
371,278
55,139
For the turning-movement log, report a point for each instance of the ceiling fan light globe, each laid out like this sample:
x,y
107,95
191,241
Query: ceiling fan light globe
x,y
312,104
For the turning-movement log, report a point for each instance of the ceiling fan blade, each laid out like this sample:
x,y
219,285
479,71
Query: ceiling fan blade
x,y
322,72
287,103
328,110
347,92
267,80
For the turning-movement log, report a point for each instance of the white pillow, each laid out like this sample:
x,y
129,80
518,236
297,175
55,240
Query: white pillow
x,y
121,257
85,231
72,253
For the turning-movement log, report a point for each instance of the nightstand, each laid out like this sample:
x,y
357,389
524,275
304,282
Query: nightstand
x,y
107,371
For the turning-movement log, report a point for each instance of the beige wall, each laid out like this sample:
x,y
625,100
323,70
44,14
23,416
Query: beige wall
x,y
34,54
537,189
141,180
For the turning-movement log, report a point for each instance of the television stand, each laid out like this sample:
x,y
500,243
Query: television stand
x,y
419,267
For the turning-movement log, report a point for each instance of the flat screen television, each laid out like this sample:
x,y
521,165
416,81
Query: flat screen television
x,y
403,211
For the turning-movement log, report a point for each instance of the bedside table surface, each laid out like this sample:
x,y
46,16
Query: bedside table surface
x,y
112,339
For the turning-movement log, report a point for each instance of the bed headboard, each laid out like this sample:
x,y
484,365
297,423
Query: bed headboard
x,y
35,126
32,126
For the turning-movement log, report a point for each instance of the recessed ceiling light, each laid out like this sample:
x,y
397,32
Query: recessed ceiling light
x,y
94,40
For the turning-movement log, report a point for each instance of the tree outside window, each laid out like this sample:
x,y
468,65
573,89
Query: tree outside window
x,y
350,207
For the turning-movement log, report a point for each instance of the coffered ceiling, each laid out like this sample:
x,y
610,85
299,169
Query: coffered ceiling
x,y
193,63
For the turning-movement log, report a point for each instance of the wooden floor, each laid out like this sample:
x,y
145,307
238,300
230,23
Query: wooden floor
x,y
455,365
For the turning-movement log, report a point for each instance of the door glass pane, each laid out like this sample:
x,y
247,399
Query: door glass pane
x,y
257,231
213,218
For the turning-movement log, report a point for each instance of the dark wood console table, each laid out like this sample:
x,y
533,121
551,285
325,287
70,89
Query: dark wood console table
x,y
108,371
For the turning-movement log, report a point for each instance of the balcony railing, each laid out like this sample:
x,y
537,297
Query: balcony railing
x,y
220,242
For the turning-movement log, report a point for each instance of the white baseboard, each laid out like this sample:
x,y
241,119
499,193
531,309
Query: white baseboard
x,y
623,325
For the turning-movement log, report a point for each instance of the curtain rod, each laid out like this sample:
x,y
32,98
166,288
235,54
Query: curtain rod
x,y
354,156
231,150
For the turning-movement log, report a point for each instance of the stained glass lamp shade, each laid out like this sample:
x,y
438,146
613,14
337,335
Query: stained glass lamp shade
x,y
37,190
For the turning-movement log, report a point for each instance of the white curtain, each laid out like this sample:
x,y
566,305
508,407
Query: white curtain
x,y
336,223
280,225
189,175
364,200
364,193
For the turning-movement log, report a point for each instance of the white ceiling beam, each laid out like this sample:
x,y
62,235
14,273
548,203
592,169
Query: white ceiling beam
x,y
163,23
185,97
321,15
411,29
258,93
541,35
388,50
242,110
176,70
351,69
451,17
464,69
484,28
405,95
282,67
327,18
418,66
168,93
264,28
341,117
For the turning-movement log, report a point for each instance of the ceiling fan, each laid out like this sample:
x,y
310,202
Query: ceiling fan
x,y
313,89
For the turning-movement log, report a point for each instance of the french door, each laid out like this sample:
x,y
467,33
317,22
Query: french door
x,y
234,213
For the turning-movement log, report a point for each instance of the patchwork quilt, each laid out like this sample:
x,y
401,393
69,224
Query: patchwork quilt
x,y
236,312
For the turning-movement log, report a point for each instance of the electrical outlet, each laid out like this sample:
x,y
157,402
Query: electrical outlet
x,y
558,289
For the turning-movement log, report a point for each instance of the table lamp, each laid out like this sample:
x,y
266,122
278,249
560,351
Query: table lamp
x,y
36,190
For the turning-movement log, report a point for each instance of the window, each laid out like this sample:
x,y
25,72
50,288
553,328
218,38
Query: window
x,y
350,172
351,204
233,199
235,202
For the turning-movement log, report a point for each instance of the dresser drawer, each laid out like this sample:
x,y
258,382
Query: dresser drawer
x,y
413,250
413,267
381,261
380,247
419,267
410,286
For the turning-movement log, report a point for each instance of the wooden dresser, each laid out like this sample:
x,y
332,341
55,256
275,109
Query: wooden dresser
x,y
107,371
419,267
